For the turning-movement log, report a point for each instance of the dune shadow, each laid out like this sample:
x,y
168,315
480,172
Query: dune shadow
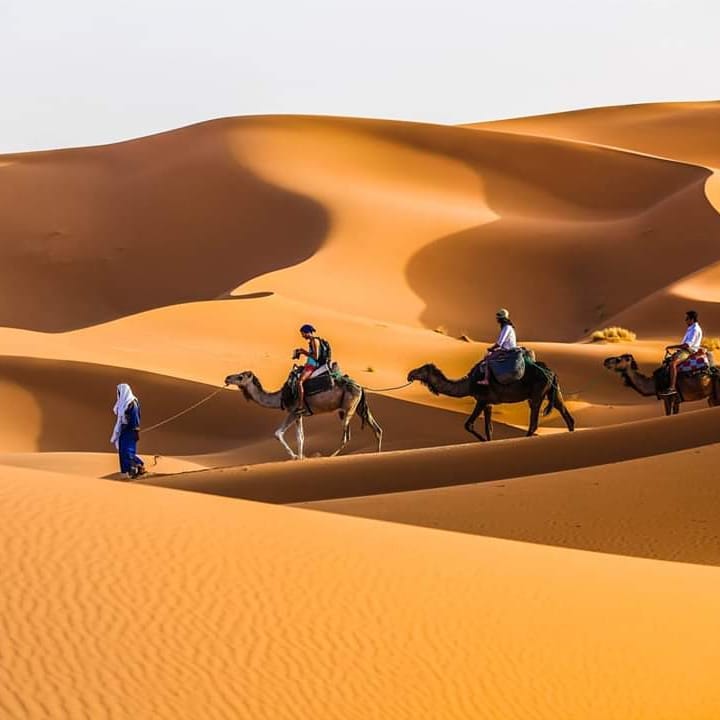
x,y
577,231
85,394
94,234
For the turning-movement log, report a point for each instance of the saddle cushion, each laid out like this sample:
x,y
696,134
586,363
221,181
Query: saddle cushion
x,y
313,386
507,366
695,363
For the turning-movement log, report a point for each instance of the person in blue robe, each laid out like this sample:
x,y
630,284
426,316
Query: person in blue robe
x,y
126,432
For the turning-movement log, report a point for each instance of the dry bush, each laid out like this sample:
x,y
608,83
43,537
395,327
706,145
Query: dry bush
x,y
711,343
614,334
465,338
441,329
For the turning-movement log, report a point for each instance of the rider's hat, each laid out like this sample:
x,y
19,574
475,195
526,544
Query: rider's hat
x,y
307,329
502,314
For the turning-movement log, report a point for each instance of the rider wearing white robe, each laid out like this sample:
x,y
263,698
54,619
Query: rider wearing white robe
x,y
507,340
690,344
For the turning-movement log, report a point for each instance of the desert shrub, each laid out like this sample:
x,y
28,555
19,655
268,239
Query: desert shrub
x,y
614,334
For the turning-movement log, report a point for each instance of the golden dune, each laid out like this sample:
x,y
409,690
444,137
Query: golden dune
x,y
559,576
153,603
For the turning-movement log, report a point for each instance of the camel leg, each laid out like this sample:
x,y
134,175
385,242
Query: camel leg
x,y
488,422
668,405
714,397
534,416
480,406
300,436
675,405
280,433
562,409
377,430
349,414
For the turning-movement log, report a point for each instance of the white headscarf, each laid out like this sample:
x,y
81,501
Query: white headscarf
x,y
125,398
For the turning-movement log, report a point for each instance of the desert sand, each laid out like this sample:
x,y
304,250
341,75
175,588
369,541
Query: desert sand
x,y
558,576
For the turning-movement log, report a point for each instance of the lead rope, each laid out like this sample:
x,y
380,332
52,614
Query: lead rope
x,y
183,412
397,387
180,414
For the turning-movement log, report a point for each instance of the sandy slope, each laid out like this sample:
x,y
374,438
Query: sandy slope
x,y
64,407
662,506
324,478
682,131
539,198
399,222
148,603
113,230
686,132
177,354
89,464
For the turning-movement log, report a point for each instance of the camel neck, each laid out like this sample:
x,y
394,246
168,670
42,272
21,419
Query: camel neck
x,y
255,392
452,388
640,383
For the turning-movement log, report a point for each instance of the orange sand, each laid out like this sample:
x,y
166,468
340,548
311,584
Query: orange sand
x,y
171,261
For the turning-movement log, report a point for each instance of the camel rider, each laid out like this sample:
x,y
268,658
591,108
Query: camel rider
x,y
506,340
690,344
317,355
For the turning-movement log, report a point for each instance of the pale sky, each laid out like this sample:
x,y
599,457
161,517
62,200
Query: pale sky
x,y
83,72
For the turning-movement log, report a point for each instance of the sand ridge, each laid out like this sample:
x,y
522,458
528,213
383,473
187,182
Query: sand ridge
x,y
327,478
659,506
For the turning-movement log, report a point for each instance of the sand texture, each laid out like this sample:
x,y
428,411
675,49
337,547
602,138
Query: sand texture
x,y
567,575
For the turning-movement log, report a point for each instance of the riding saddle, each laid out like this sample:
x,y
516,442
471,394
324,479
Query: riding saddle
x,y
322,380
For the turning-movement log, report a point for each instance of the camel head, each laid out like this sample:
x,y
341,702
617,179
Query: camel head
x,y
621,363
423,374
242,380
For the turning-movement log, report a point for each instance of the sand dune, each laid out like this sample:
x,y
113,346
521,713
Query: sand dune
x,y
171,261
682,131
326,478
539,198
138,225
662,506
150,603
435,204
226,430
686,132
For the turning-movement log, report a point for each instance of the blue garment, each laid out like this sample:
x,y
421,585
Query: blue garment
x,y
127,442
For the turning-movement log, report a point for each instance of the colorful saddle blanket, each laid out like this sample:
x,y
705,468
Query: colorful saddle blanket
x,y
695,363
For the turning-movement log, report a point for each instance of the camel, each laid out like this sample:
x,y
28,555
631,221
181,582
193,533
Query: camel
x,y
690,387
346,396
538,383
